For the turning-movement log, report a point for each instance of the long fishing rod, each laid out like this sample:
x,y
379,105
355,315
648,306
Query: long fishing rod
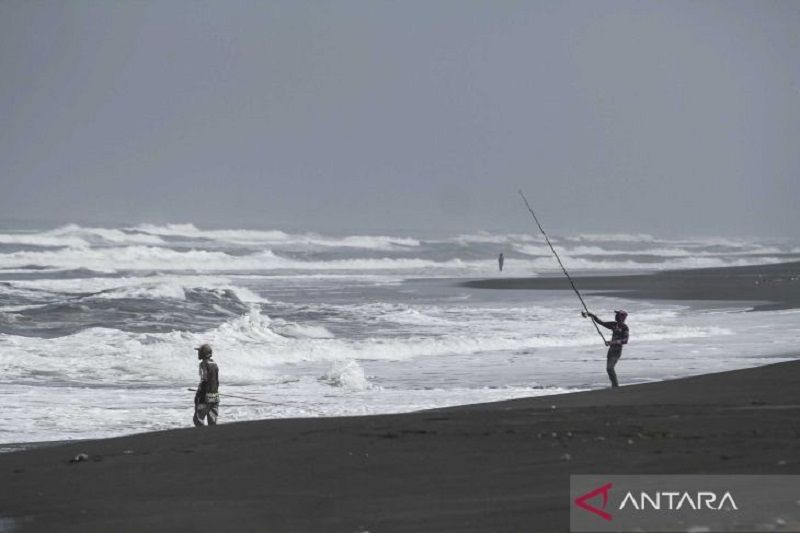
x,y
574,288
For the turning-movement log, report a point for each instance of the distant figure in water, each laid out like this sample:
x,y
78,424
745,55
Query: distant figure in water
x,y
206,400
618,338
500,261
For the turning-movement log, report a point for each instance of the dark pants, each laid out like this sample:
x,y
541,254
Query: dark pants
x,y
208,411
614,353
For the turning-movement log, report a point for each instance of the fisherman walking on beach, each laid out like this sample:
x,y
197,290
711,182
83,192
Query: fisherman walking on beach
x,y
206,399
500,261
619,337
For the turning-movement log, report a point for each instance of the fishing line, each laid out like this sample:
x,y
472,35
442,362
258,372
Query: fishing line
x,y
260,401
244,398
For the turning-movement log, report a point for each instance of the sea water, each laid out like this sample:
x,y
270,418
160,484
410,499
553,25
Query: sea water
x,y
98,325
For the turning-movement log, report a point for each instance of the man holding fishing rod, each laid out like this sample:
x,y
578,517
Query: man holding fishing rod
x,y
206,399
619,336
619,329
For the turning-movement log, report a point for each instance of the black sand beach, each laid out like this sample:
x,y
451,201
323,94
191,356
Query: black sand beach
x,y
490,467
772,286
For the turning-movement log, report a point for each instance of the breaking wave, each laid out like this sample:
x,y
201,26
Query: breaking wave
x,y
614,237
348,375
253,344
276,237
131,258
186,248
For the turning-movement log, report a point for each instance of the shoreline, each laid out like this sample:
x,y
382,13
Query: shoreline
x,y
769,277
777,286
502,466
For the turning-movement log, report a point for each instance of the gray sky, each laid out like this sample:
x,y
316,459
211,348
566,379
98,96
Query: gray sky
x,y
672,118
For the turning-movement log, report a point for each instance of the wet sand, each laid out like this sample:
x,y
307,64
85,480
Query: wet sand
x,y
775,286
491,467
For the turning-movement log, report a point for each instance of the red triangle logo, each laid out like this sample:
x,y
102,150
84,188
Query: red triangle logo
x,y
582,501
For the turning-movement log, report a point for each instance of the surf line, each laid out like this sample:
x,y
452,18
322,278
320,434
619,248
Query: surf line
x,y
574,288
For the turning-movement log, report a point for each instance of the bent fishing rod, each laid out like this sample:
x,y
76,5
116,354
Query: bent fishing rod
x,y
574,288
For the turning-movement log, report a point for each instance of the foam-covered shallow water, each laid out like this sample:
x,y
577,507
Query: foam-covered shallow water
x,y
97,325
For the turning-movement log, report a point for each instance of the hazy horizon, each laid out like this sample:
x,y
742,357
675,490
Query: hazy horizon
x,y
670,119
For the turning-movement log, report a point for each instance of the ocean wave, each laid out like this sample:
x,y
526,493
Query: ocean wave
x,y
88,285
569,250
348,375
250,345
131,258
583,263
146,304
78,236
179,291
494,238
402,314
277,237
440,356
152,248
253,344
110,260
613,237
42,239
105,235
300,331
73,235
144,258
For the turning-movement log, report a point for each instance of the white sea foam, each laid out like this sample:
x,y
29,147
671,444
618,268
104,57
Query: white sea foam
x,y
533,249
668,250
614,237
133,258
65,413
341,332
147,287
347,374
494,238
103,235
78,236
599,250
454,344
299,331
144,248
152,291
253,343
148,234
109,260
275,237
41,239
402,314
